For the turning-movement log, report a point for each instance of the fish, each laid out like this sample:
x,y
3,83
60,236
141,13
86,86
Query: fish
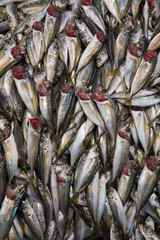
x,y
126,182
86,168
113,7
142,118
64,177
64,104
102,56
50,25
117,208
10,57
92,13
31,219
33,141
36,51
106,108
121,45
89,108
73,46
121,149
84,31
147,182
96,196
131,63
11,156
54,192
51,61
26,89
47,201
46,155
135,7
45,92
154,44
13,195
84,76
146,13
144,70
148,233
80,141
93,47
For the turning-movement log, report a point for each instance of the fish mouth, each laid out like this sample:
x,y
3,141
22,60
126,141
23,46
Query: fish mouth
x,y
18,72
52,10
38,26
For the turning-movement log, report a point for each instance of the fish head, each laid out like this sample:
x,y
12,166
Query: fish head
x,y
123,129
98,96
16,51
15,191
63,171
65,88
135,50
126,169
38,26
127,31
40,76
82,199
111,192
134,166
82,94
124,114
148,232
154,200
6,133
19,181
149,56
131,167
142,216
9,43
18,72
42,89
115,231
152,163
69,30
35,123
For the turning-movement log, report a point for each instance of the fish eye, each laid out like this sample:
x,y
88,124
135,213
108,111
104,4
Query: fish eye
x,y
8,41
20,190
156,200
111,197
158,163
96,149
146,227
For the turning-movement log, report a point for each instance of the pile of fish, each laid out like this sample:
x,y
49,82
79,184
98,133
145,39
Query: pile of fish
x,y
79,119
